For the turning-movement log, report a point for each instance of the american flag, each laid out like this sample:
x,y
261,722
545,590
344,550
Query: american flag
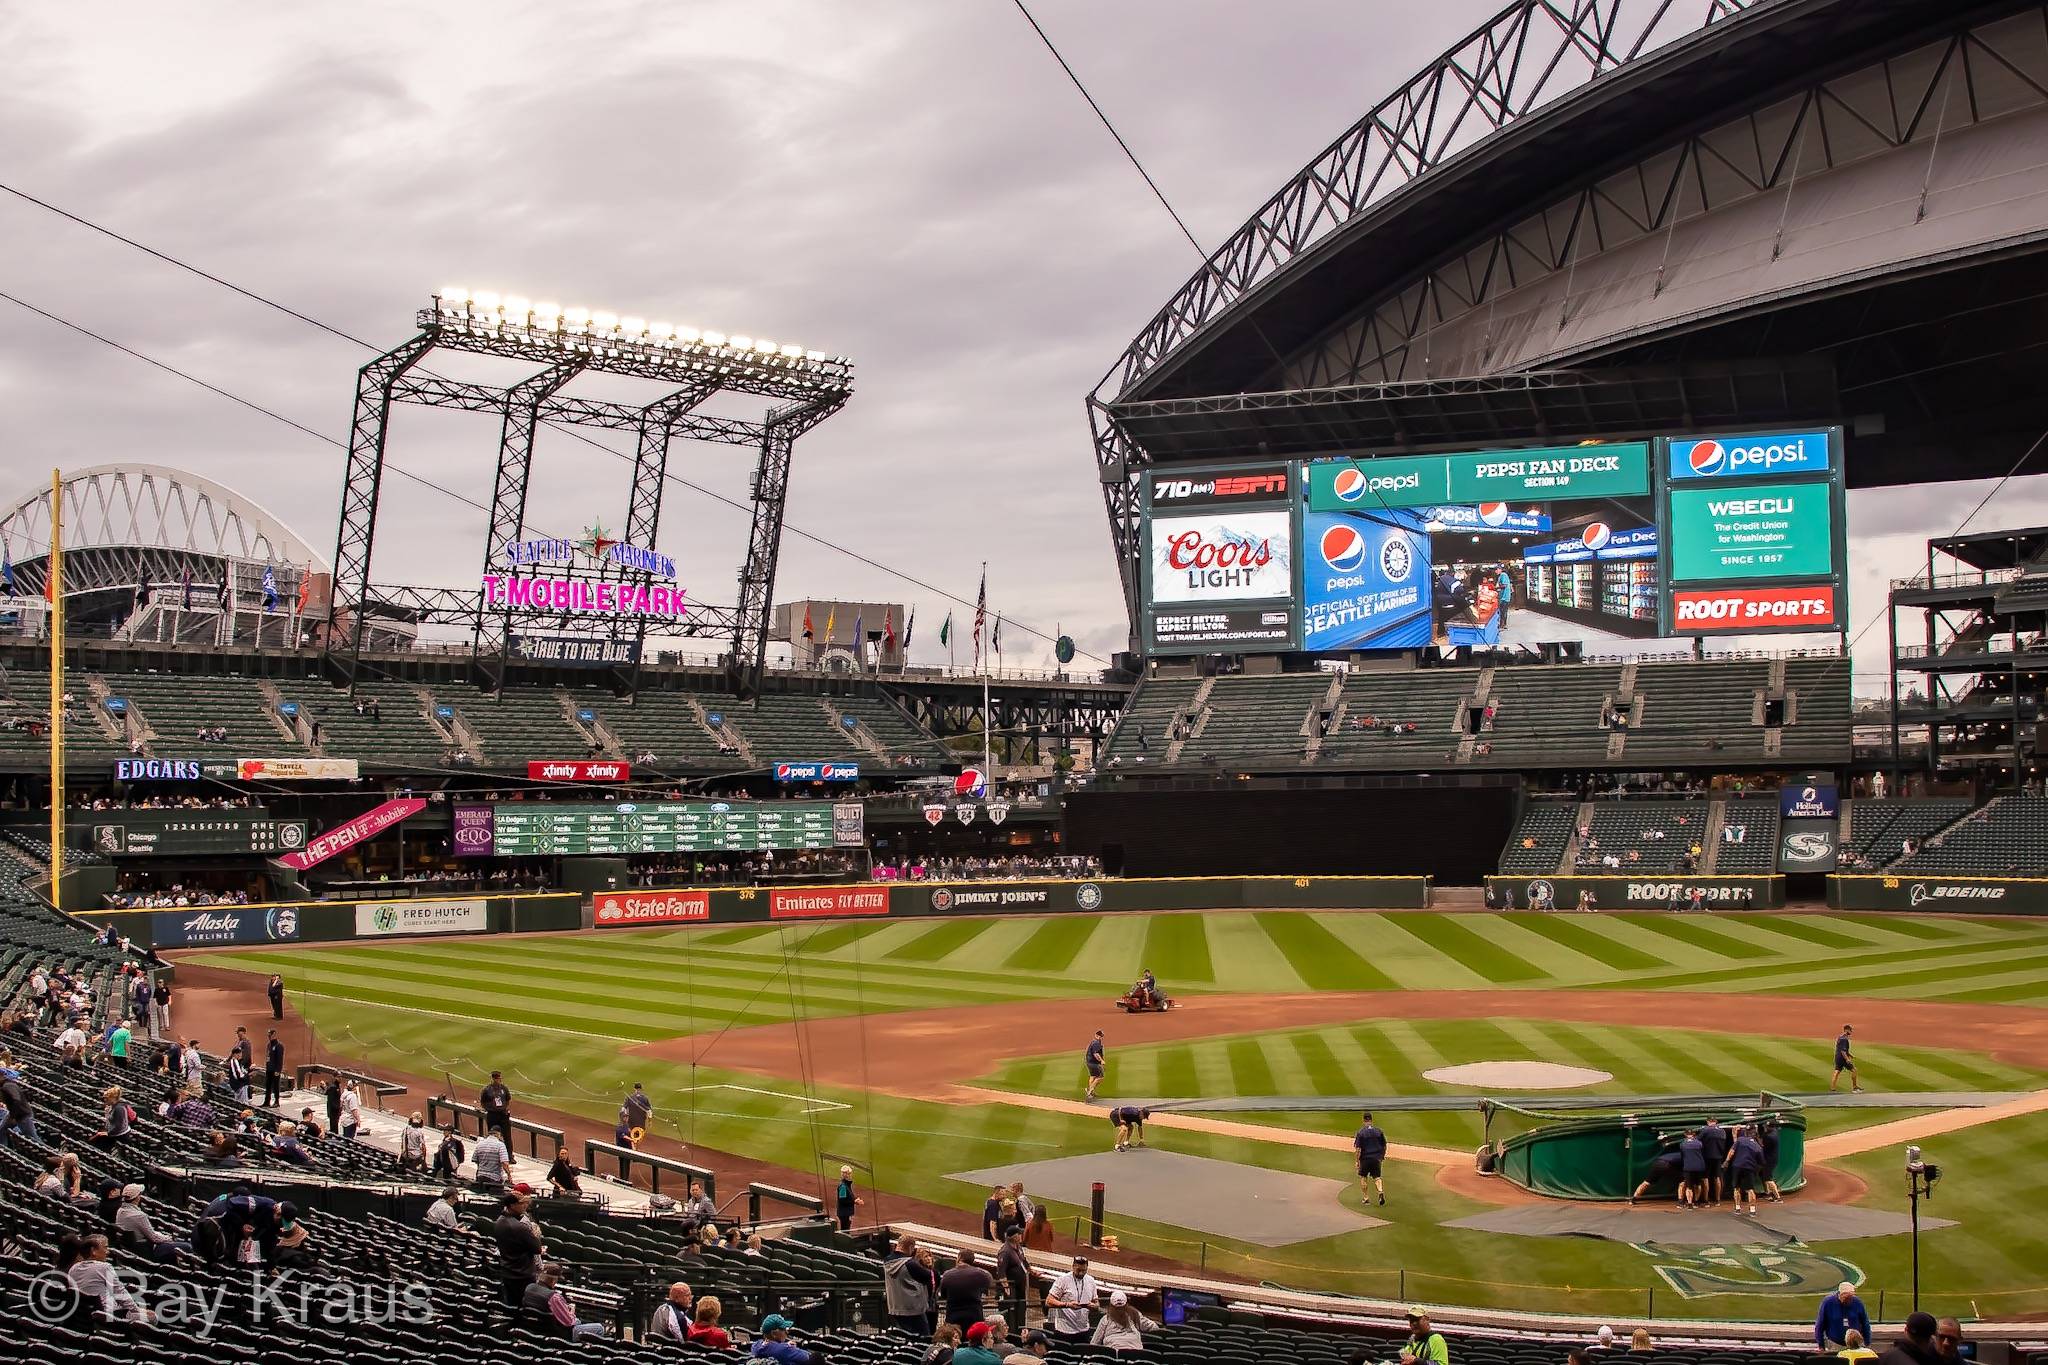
x,y
980,612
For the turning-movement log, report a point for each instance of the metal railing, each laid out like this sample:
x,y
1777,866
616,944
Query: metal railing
x,y
1971,579
439,1104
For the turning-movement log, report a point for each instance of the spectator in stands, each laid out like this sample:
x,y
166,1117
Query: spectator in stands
x,y
698,1208
116,1122
847,1200
1069,1300
705,1331
519,1249
564,1175
905,1288
1038,1232
1122,1326
1853,1349
979,1348
287,1147
446,1211
493,1160
93,1278
71,1045
235,1075
496,1102
309,1127
1013,1272
1639,1342
774,1344
1425,1345
189,1109
963,1288
1839,1312
545,1305
19,1115
1948,1340
1603,1340
449,1156
351,1110
136,1229
1916,1347
671,1320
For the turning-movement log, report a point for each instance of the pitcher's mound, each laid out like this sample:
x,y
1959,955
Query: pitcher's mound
x,y
1517,1075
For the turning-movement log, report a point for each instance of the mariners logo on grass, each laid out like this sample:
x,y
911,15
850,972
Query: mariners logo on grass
x,y
1088,896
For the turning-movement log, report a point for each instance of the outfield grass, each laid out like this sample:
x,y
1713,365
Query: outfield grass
x,y
557,1011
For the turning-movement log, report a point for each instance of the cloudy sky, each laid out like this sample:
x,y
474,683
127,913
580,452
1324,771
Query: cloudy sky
x,y
912,183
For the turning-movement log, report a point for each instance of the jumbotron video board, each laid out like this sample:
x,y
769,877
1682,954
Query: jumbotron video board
x,y
518,829
1601,543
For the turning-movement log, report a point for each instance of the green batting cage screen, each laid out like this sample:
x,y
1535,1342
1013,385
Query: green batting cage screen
x,y
1596,1151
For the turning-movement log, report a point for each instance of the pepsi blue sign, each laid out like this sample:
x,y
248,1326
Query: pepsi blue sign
x,y
1487,516
1365,581
817,771
1751,456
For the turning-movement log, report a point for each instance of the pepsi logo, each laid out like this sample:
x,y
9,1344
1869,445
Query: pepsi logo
x,y
1707,457
1597,535
782,770
1493,513
1349,485
1343,548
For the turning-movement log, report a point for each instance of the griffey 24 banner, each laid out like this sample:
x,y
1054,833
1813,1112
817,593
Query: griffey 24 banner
x,y
343,837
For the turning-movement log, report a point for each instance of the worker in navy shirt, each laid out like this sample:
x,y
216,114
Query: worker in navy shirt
x,y
1839,1312
1093,1059
1714,1146
1844,1062
1371,1144
1692,1169
1664,1166
1745,1164
1129,1122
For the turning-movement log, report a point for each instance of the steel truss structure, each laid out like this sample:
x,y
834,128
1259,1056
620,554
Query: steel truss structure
x,y
697,366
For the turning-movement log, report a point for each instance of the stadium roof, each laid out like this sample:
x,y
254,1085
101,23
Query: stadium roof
x,y
153,507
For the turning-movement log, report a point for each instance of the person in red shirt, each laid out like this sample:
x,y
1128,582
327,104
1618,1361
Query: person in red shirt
x,y
705,1331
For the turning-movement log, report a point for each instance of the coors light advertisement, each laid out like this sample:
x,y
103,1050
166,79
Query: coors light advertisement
x,y
1231,557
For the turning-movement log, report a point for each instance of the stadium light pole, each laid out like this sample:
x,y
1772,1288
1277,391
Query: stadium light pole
x,y
54,581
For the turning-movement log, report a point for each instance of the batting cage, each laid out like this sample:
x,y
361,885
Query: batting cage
x,y
1603,1150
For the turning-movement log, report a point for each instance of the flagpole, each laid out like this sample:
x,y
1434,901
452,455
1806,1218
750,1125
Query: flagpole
x,y
56,581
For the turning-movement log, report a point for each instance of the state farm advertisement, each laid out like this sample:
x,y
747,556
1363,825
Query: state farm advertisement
x,y
616,909
1741,611
579,770
823,902
341,838
1230,557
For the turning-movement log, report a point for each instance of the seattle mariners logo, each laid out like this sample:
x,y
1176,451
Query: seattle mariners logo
x,y
1396,559
1088,896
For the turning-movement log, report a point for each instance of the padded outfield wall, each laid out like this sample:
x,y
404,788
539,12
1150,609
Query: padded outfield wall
x,y
286,922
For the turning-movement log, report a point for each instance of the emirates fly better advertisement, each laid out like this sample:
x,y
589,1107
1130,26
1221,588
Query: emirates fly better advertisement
x,y
1604,544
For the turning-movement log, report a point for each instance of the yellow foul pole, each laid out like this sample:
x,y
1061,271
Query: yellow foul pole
x,y
56,595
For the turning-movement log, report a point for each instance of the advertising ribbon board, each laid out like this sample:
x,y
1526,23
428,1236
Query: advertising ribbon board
x,y
297,769
825,902
385,919
616,909
225,925
1783,530
343,837
579,770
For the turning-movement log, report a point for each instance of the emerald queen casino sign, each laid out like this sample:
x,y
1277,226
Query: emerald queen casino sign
x,y
576,596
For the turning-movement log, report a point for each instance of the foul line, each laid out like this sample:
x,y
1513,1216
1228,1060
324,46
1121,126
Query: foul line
x,y
466,1018
1877,1135
812,1104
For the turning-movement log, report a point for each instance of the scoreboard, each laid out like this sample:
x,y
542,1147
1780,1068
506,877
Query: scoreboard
x,y
192,833
562,829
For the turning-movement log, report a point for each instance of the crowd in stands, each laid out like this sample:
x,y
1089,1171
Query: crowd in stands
x,y
744,869
176,896
162,801
211,734
1591,855
975,869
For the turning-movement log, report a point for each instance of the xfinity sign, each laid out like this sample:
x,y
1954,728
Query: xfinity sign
x,y
1751,456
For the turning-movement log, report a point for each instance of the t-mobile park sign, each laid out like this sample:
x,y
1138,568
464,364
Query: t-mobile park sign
x,y
580,597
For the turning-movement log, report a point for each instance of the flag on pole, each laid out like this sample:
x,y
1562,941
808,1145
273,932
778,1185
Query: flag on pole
x,y
7,569
807,622
269,588
980,612
909,629
996,641
946,631
889,628
859,638
185,582
831,616
226,593
305,586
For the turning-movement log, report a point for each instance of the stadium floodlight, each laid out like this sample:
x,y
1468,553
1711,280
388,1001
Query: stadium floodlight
x,y
661,331
793,352
739,343
765,347
517,307
632,327
689,336
452,297
485,301
814,355
547,315
714,339
604,322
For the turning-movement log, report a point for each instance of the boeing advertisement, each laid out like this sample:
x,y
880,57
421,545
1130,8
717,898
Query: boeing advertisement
x,y
1598,544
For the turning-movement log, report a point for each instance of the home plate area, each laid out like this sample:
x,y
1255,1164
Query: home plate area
x,y
1265,1208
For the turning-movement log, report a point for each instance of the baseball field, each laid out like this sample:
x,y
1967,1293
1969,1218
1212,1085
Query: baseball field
x,y
927,1050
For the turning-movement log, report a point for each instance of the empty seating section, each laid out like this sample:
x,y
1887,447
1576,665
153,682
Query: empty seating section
x,y
1255,719
786,726
25,717
903,737
2007,838
664,724
1141,730
178,705
1819,727
1754,820
517,725
1538,843
1549,715
1658,833
1429,699
397,733
1878,829
1692,713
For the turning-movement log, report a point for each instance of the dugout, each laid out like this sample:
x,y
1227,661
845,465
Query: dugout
x,y
1593,1150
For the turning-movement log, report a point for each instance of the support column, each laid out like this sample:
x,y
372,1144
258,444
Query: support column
x,y
643,505
359,491
493,632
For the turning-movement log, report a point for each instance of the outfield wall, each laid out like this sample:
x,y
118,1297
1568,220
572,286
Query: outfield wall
x,y
283,922
1972,895
1646,892
725,905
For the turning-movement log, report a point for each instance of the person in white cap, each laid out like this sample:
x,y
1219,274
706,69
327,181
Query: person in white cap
x,y
1122,1327
135,1228
1603,1340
